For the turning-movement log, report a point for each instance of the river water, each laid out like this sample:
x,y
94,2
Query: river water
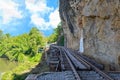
x,y
6,65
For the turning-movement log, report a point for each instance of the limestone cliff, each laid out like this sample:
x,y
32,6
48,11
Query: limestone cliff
x,y
100,21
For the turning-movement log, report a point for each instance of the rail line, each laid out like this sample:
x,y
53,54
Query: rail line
x,y
73,68
67,64
75,59
80,58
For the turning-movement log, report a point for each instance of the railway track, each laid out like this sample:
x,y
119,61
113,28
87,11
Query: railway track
x,y
74,66
97,72
77,77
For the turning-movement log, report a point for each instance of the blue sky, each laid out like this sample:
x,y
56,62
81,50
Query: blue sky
x,y
19,16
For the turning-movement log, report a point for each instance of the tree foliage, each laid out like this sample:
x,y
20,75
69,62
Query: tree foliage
x,y
54,36
20,48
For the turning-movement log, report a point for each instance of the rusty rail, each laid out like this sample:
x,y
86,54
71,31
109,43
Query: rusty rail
x,y
103,74
82,60
72,67
79,59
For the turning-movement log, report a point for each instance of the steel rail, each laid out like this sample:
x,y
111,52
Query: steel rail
x,y
103,74
72,66
87,65
79,57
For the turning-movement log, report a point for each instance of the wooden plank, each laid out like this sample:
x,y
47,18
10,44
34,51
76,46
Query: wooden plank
x,y
31,77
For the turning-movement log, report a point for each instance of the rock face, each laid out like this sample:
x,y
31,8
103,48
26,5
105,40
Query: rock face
x,y
100,22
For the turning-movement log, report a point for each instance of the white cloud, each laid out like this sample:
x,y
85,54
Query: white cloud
x,y
39,9
9,11
54,18
39,22
35,6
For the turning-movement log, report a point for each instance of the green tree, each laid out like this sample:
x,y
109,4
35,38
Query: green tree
x,y
1,34
17,47
56,33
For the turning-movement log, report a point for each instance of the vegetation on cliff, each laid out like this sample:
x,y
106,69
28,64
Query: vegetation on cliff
x,y
57,36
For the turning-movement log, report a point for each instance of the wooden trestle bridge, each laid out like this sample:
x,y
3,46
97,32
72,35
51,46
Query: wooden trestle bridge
x,y
66,64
